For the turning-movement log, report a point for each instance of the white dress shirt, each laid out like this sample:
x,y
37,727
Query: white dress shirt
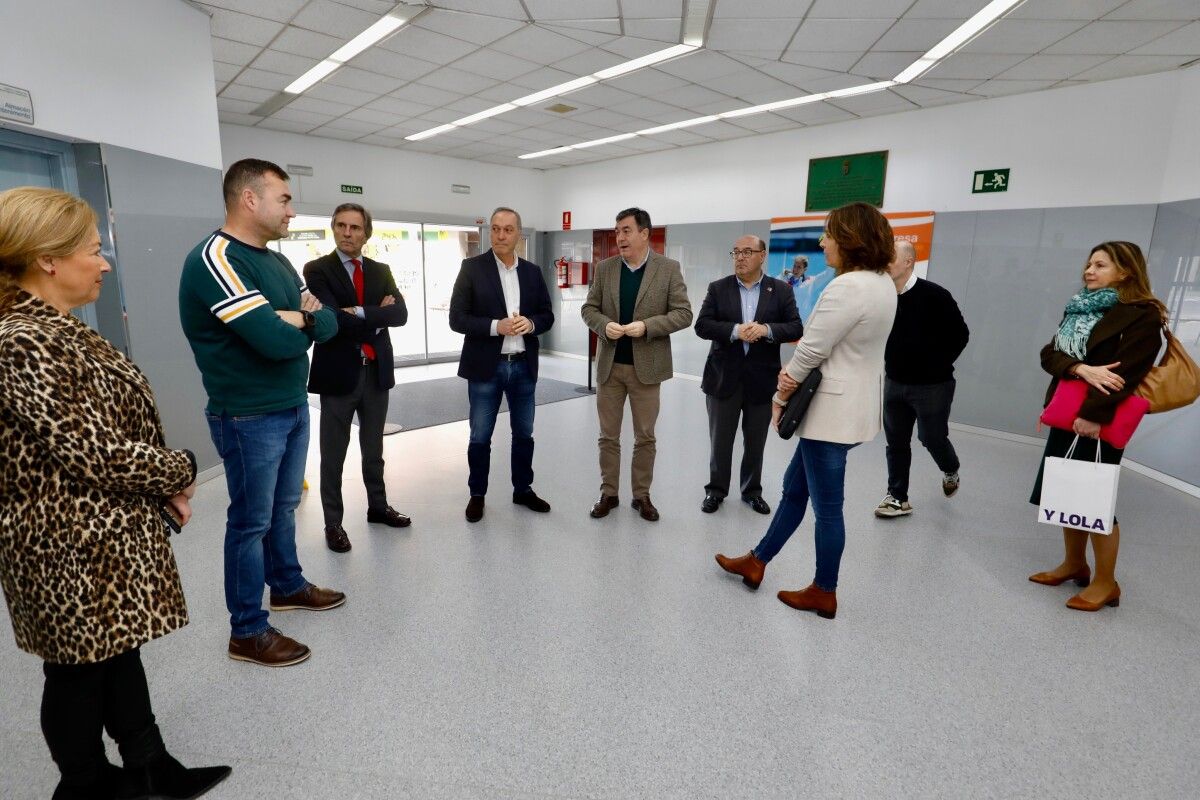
x,y
512,301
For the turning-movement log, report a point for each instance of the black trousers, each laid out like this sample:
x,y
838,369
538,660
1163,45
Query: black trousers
x,y
927,405
723,415
80,701
337,411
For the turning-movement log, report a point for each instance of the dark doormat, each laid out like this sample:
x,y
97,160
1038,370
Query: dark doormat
x,y
437,402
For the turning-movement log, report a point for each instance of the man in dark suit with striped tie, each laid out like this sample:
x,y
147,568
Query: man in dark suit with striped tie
x,y
353,371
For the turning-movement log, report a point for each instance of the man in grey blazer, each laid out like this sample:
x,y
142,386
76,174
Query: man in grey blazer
x,y
636,301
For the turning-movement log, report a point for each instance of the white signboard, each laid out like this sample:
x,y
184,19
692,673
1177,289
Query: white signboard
x,y
16,104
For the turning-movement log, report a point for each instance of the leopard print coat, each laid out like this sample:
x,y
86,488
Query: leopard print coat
x,y
85,561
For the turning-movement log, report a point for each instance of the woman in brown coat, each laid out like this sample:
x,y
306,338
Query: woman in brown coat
x,y
85,479
1109,337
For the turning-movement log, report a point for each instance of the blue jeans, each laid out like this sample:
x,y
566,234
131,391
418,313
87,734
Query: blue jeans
x,y
264,457
514,381
817,471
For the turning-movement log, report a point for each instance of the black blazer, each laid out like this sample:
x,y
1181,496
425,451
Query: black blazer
x,y
336,363
728,366
1130,333
478,299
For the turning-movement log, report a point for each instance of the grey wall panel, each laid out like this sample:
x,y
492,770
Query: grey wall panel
x,y
161,209
569,334
951,249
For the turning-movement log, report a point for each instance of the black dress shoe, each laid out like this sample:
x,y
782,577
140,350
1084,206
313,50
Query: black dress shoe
x,y
166,777
475,508
388,516
336,538
531,501
758,504
711,503
643,506
606,503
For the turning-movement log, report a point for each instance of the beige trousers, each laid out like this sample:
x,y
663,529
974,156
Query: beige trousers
x,y
610,408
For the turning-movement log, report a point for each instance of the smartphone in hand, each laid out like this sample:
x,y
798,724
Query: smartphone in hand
x,y
168,515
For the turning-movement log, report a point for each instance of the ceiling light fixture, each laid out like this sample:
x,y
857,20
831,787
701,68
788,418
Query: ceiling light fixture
x,y
674,126
382,28
416,137
550,152
960,36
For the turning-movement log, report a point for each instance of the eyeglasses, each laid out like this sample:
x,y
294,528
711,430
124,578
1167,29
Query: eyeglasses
x,y
746,253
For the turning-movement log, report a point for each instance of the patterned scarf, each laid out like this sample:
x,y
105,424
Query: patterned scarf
x,y
1083,311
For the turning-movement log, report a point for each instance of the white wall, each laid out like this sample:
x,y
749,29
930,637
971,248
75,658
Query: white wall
x,y
1112,143
132,73
392,180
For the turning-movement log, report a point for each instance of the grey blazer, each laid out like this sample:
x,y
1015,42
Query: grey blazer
x,y
662,303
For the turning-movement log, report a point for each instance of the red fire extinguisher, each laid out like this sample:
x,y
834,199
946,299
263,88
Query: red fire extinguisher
x,y
564,278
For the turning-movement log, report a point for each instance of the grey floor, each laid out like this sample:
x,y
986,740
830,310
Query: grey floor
x,y
557,656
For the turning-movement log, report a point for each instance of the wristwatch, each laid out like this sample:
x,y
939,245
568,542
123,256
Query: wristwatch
x,y
309,320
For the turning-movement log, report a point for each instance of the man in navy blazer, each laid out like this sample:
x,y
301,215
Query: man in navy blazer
x,y
746,315
501,304
353,372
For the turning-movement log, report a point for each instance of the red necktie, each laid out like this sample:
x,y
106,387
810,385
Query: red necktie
x,y
368,351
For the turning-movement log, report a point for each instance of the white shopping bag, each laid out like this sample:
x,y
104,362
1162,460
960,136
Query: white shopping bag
x,y
1079,494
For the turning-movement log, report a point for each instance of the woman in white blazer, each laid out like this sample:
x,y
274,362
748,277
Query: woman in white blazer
x,y
845,337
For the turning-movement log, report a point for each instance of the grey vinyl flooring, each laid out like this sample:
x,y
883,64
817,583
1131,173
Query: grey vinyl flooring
x,y
557,656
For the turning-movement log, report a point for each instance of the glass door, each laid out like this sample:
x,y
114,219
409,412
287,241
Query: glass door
x,y
445,248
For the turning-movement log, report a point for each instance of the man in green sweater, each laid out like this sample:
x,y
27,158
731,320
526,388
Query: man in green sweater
x,y
250,321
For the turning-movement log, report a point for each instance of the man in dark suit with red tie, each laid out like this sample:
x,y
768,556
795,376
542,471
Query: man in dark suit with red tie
x,y
746,315
353,371
501,305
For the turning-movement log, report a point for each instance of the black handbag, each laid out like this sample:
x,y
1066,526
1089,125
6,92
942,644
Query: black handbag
x,y
798,404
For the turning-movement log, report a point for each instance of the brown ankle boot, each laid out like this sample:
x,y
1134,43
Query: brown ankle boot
x,y
812,598
748,566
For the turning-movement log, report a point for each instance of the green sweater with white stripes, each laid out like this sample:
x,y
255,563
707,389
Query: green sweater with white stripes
x,y
251,361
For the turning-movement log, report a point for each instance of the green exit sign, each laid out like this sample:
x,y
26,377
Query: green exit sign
x,y
990,180
348,188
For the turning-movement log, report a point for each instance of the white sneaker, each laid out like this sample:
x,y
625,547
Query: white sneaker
x,y
891,507
949,483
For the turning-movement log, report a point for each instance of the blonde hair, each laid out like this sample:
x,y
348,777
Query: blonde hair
x,y
37,222
1134,286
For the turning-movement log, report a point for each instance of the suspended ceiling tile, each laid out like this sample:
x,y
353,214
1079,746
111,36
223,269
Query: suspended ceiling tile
x,y
916,34
456,80
1046,67
635,47
541,79
335,19
647,82
225,72
403,129
473,28
284,63
510,9
364,81
426,45
662,30
383,141
702,66
591,32
400,108
290,126
617,122
296,115
341,94
750,34
834,35
748,83
858,9
535,43
1182,42
764,123
326,107
834,82
722,130
236,106
1065,9
1181,10
575,9
394,65
754,58
829,62
588,62
733,104
326,132
262,79
425,146
740,9
873,103
947,84
815,114
439,116
277,10
926,97
1110,38
693,95
232,52
233,118
498,126
654,9
379,119
243,27
376,7
684,137
251,94
301,42
1125,66
495,66
599,96
1022,36
945,9
468,105
795,74
997,88
358,127
973,65
883,66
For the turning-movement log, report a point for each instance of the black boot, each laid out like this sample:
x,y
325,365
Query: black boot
x,y
104,788
166,777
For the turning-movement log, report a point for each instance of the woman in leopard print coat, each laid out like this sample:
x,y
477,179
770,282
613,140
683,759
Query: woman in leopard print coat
x,y
85,561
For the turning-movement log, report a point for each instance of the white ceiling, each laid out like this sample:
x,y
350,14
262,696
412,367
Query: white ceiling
x,y
462,56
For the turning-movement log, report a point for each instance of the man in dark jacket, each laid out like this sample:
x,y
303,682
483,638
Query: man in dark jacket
x,y
353,372
746,315
501,304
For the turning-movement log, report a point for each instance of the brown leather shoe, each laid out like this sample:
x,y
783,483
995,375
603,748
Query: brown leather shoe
x,y
310,598
643,506
388,516
748,566
269,649
1113,599
812,598
475,508
606,503
336,539
1081,576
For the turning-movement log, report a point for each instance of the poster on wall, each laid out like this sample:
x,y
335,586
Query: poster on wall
x,y
795,253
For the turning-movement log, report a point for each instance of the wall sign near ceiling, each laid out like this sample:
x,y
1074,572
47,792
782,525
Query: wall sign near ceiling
x,y
16,104
349,188
990,180
566,220
837,180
